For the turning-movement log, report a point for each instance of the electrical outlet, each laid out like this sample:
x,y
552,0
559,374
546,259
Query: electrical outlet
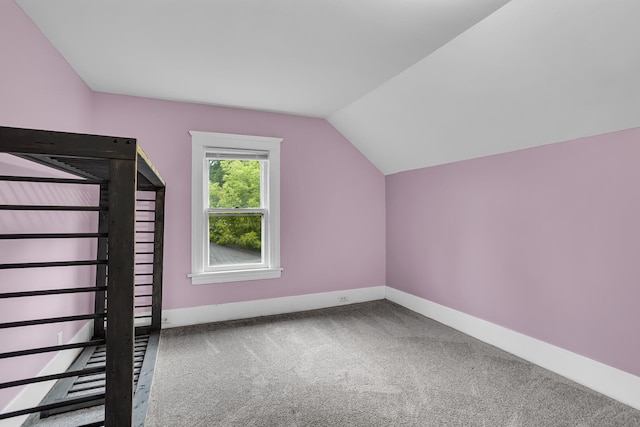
x,y
60,338
344,299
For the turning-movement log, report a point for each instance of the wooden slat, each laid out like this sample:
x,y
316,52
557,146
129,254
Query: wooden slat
x,y
51,292
48,208
51,264
50,236
62,319
51,377
40,408
50,349
56,163
46,180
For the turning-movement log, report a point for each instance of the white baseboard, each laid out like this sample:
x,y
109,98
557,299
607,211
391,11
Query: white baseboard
x,y
33,394
612,382
266,307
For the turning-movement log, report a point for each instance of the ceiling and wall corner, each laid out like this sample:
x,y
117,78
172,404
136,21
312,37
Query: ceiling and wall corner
x,y
410,83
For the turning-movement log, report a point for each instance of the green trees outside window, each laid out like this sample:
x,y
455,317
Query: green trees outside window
x,y
235,184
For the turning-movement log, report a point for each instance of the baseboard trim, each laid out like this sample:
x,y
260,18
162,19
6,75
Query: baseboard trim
x,y
33,394
246,309
599,377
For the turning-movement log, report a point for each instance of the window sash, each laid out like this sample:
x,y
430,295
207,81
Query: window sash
x,y
264,181
212,153
236,211
264,236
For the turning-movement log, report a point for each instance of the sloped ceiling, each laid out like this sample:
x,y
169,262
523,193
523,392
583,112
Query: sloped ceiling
x,y
535,72
411,83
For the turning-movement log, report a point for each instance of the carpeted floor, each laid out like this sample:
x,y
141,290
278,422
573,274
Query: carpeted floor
x,y
371,364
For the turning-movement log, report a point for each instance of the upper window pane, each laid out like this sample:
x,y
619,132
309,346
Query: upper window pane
x,y
234,183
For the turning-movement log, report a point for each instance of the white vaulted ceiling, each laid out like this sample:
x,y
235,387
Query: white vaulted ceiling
x,y
535,72
411,83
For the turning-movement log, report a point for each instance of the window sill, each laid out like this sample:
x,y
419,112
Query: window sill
x,y
234,276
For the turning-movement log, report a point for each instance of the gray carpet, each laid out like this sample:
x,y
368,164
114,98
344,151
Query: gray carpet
x,y
371,364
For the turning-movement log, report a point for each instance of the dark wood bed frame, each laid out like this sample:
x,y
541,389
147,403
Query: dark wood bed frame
x,y
121,170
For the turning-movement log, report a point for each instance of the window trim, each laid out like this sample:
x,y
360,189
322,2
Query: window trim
x,y
201,143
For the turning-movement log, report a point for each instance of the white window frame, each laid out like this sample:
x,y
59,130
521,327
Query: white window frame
x,y
210,142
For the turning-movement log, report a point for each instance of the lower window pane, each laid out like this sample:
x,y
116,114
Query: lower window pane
x,y
235,239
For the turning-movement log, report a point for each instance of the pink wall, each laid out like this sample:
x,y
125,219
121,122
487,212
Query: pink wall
x,y
37,89
543,241
332,201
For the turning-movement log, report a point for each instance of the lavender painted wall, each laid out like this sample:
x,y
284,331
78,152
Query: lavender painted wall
x,y
543,241
37,89
332,198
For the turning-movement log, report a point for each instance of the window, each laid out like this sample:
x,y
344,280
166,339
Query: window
x,y
235,212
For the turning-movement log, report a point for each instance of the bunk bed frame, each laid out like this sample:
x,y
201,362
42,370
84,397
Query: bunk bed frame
x,y
121,170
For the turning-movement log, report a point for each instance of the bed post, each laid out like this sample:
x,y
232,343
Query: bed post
x,y
120,293
158,244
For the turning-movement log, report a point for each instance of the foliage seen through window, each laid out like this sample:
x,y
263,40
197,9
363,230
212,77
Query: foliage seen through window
x,y
235,184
